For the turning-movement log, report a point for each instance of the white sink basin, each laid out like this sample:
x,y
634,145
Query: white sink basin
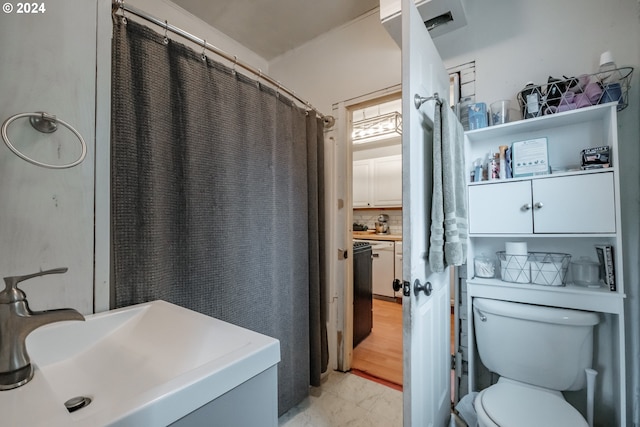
x,y
144,365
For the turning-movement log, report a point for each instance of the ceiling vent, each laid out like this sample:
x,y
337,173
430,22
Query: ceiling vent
x,y
439,16
443,19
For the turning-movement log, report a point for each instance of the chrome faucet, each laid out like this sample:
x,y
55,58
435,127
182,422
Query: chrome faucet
x,y
16,322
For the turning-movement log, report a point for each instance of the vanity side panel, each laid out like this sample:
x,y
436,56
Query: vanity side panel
x,y
252,403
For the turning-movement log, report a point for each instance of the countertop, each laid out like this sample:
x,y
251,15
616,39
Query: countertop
x,y
366,235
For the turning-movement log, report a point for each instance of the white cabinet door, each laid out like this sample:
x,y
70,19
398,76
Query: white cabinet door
x,y
574,204
425,318
387,181
361,183
499,208
567,204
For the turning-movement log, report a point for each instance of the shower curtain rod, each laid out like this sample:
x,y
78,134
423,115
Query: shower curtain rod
x,y
120,5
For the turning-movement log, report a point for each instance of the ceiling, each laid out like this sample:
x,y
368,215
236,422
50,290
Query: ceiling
x,y
272,27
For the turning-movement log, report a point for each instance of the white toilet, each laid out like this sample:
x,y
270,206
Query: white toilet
x,y
538,352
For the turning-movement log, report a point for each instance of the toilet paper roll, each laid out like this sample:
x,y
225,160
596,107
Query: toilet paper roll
x,y
516,248
606,58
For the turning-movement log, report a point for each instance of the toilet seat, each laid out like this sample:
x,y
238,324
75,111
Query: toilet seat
x,y
512,404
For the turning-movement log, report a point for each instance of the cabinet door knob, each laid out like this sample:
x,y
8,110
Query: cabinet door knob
x,y
526,207
538,205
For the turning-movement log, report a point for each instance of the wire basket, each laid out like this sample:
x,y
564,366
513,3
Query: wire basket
x,y
540,268
549,269
572,93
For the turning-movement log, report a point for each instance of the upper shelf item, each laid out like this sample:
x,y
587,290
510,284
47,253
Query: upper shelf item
x,y
559,95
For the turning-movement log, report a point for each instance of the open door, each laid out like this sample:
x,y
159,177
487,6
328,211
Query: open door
x,y
426,327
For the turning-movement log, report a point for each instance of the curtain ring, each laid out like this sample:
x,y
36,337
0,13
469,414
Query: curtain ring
x,y
124,17
204,47
235,62
259,77
166,28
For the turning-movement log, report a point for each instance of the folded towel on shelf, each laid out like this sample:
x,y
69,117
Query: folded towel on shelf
x,y
448,239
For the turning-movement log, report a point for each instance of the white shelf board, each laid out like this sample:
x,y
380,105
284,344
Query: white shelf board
x,y
566,118
543,176
569,296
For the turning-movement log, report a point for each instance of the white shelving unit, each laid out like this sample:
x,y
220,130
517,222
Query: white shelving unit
x,y
569,212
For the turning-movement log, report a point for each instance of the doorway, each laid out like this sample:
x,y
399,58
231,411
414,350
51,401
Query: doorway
x,y
376,151
379,356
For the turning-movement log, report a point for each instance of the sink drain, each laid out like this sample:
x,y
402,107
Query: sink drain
x,y
76,403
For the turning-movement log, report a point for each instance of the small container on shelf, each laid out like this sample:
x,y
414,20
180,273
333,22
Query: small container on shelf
x,y
484,266
500,112
477,115
586,272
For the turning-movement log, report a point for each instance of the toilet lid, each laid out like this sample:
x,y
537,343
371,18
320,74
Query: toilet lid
x,y
511,404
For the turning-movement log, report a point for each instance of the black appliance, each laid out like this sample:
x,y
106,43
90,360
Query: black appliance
x,y
362,291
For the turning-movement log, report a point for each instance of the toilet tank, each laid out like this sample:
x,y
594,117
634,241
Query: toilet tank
x,y
545,346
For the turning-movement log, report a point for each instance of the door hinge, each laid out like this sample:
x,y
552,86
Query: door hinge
x,y
458,364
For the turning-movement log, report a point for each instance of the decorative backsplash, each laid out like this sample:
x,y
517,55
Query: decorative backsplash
x,y
369,217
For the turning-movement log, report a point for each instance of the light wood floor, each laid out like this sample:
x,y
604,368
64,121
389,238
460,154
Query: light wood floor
x,y
380,354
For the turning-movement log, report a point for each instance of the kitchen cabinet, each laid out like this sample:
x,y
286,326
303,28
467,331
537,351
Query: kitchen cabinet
x,y
581,203
362,183
377,182
569,211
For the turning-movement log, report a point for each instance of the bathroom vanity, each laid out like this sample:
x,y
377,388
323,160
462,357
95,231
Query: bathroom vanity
x,y
567,211
152,364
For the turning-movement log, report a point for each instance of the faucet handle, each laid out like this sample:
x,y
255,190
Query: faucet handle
x,y
12,293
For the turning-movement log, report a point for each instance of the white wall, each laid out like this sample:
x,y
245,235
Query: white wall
x,y
512,43
516,42
351,61
46,216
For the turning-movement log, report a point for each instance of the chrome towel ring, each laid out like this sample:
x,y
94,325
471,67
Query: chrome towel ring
x,y
45,123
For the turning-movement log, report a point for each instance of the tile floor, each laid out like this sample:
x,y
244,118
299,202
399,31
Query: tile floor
x,y
345,399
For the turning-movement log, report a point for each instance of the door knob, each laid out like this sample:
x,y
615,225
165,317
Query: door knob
x,y
538,205
526,207
426,288
397,285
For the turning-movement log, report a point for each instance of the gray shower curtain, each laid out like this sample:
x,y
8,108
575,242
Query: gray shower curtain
x,y
217,199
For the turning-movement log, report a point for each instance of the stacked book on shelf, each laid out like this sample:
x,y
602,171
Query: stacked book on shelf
x,y
607,269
